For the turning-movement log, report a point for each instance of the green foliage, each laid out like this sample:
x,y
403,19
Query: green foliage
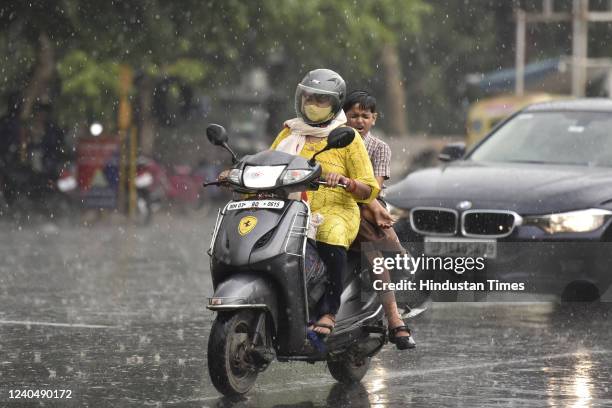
x,y
477,36
190,71
210,45
346,33
89,87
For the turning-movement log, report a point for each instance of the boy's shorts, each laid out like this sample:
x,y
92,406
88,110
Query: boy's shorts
x,y
384,239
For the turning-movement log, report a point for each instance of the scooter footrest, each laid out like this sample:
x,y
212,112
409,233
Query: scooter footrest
x,y
374,329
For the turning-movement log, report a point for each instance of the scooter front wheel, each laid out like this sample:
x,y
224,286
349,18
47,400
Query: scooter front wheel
x,y
349,370
229,367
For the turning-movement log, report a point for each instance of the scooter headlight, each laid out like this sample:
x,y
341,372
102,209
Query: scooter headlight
x,y
294,176
261,176
235,176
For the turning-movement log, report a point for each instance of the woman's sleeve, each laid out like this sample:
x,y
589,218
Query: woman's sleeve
x,y
359,167
281,136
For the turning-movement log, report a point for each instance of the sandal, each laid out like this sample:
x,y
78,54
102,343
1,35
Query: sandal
x,y
329,327
401,342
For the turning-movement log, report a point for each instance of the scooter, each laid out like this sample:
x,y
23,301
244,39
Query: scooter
x,y
264,291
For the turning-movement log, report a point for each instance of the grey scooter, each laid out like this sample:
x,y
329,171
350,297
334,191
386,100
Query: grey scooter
x,y
264,296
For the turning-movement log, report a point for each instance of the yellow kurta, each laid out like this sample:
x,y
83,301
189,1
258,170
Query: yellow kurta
x,y
338,208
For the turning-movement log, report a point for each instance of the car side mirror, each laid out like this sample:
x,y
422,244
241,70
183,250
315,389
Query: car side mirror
x,y
452,151
216,134
338,138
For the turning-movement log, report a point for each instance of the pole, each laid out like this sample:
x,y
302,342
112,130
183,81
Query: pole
x,y
132,173
579,47
124,120
519,84
547,7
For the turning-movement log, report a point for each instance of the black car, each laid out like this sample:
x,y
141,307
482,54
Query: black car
x,y
534,196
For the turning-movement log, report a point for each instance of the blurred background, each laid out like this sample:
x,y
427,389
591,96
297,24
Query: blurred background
x,y
101,90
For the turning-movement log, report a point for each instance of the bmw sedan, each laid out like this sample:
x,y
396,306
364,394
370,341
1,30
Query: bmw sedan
x,y
534,198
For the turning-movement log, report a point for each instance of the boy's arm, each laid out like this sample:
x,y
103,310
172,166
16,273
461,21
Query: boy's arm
x,y
378,214
380,180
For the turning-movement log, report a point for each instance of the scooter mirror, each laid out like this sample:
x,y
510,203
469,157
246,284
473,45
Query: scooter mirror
x,y
216,134
340,137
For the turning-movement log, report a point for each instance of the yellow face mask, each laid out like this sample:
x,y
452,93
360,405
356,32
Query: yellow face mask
x,y
316,113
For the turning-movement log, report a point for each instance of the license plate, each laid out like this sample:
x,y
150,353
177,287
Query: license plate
x,y
245,205
468,247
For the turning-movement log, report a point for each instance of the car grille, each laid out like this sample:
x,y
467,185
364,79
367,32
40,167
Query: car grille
x,y
434,221
487,223
474,223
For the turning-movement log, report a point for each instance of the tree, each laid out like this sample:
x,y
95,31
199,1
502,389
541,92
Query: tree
x,y
208,46
472,36
358,39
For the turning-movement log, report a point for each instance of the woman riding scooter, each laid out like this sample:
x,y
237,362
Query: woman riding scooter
x,y
318,105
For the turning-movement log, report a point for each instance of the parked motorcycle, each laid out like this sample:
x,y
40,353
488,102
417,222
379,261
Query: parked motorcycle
x,y
264,289
157,187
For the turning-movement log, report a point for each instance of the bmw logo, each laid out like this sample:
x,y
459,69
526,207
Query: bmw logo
x,y
464,205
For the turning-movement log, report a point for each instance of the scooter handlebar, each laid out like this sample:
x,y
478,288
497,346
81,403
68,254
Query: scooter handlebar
x,y
213,183
324,183
320,182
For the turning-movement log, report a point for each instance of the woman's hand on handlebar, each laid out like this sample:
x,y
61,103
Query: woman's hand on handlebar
x,y
222,177
334,179
358,189
221,180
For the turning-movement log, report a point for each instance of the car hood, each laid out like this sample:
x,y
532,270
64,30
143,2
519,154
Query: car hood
x,y
524,188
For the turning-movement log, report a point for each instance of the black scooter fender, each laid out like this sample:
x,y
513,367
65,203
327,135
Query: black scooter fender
x,y
245,291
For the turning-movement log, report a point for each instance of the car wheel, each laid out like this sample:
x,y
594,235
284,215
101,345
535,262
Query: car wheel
x,y
580,291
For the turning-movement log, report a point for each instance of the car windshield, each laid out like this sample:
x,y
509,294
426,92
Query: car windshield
x,y
572,138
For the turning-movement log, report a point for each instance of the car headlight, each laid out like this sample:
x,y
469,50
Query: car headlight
x,y
573,221
235,176
396,211
294,176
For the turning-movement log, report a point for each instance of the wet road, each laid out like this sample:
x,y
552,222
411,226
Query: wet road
x,y
116,316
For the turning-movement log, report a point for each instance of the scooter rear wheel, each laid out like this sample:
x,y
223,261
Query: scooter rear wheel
x,y
230,370
349,370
